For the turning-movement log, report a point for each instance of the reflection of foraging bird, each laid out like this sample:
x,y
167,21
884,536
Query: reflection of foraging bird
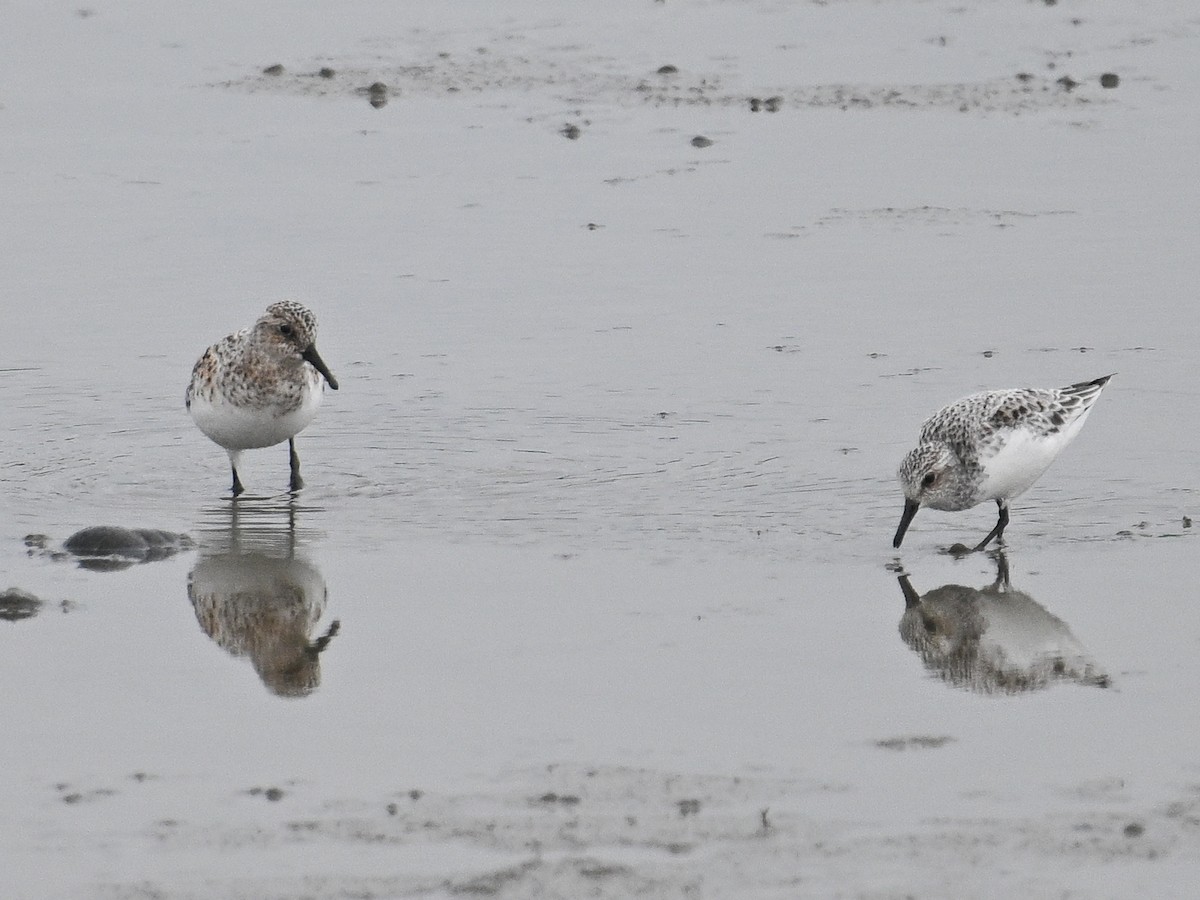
x,y
261,386
993,640
991,446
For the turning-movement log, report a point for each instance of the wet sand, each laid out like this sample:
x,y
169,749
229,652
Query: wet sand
x,y
591,589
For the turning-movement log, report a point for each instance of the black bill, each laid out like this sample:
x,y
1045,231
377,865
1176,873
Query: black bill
x,y
910,510
312,356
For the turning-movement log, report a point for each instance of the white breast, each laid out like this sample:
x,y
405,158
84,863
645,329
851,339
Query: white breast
x,y
247,428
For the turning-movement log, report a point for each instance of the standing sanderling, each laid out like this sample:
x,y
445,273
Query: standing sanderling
x,y
261,386
991,446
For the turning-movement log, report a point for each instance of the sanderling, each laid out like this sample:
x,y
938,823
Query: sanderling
x,y
991,446
261,386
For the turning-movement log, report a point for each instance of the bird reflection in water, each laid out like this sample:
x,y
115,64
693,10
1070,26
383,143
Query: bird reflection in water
x,y
993,640
256,598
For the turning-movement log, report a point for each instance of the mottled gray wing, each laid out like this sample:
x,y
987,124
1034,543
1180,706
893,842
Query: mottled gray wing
x,y
1039,410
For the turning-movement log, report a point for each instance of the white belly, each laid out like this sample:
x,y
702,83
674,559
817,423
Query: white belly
x,y
1023,459
247,428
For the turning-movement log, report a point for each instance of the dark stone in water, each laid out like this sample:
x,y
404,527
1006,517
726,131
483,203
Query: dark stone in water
x,y
16,604
771,104
112,547
107,540
377,94
1109,80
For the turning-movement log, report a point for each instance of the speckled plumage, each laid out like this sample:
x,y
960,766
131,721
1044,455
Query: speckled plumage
x,y
991,446
260,386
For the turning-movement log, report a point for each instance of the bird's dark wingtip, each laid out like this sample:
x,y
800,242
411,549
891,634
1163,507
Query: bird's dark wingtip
x,y
1089,387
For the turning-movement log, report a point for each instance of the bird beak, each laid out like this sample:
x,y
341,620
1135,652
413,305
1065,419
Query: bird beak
x,y
312,356
910,510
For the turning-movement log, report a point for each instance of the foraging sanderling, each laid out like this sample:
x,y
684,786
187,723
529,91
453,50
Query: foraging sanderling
x,y
991,446
261,386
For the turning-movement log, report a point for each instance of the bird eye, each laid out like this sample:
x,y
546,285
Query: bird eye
x,y
285,328
928,479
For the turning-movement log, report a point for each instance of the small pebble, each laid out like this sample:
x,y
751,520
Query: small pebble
x,y
570,132
377,94
326,72
1134,829
701,141
667,70
1109,80
276,69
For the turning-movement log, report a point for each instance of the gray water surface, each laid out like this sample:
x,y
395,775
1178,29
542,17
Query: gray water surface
x,y
591,590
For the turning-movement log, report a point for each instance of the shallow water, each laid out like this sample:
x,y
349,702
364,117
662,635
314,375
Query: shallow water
x,y
591,587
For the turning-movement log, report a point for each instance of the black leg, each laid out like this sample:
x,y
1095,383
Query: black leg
x,y
1002,581
237,482
999,529
297,482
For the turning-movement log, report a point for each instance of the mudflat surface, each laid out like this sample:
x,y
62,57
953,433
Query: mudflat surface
x,y
591,590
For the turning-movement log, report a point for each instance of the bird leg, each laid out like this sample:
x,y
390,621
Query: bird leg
x,y
998,531
1002,583
294,460
235,456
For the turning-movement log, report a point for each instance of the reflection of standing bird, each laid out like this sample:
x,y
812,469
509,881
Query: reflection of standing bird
x,y
995,640
261,386
991,446
265,608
